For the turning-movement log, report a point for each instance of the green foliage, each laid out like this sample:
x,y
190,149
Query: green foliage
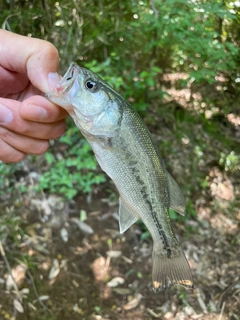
x,y
230,162
10,227
173,214
7,177
132,45
136,42
73,171
10,221
145,234
97,309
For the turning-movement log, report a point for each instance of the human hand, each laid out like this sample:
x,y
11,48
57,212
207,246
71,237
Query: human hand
x,y
28,68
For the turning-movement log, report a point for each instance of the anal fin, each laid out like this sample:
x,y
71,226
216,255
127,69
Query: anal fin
x,y
126,216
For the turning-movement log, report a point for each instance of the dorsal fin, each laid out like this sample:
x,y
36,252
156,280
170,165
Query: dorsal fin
x,y
177,201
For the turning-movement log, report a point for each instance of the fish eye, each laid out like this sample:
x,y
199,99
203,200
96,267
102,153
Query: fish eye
x,y
91,85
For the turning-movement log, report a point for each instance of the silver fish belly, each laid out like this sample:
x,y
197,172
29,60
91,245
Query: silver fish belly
x,y
125,150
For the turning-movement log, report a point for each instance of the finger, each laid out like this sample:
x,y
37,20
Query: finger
x,y
23,144
37,108
11,120
34,57
8,154
29,91
11,82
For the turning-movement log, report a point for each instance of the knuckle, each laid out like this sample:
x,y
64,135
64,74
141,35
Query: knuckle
x,y
4,133
59,130
19,156
41,147
24,130
49,49
10,154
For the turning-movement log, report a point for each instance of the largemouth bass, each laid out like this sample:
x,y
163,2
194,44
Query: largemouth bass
x,y
125,150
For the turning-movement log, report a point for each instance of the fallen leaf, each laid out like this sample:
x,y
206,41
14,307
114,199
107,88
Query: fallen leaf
x,y
83,215
18,274
100,268
18,306
122,291
115,282
43,298
54,270
127,260
64,234
133,303
25,291
83,226
168,315
114,253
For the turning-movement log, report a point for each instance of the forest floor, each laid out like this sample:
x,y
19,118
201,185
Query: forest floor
x,y
75,269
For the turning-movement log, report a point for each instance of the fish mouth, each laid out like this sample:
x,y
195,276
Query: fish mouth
x,y
67,81
66,88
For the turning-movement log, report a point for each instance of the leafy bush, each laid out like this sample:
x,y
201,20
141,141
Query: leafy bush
x,y
73,171
199,37
7,177
132,45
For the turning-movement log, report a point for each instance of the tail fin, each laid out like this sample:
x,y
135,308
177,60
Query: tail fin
x,y
173,269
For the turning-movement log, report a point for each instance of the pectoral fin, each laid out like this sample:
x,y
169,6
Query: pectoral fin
x,y
126,217
177,201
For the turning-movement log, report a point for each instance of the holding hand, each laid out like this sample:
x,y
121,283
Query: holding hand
x,y
28,68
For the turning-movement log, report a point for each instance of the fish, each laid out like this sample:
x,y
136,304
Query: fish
x,y
126,151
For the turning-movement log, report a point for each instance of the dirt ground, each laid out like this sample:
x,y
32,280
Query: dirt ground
x,y
69,277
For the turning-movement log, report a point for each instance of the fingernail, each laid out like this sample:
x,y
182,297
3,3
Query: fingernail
x,y
36,112
6,115
53,79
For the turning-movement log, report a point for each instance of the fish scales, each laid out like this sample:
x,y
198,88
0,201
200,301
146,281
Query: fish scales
x,y
125,150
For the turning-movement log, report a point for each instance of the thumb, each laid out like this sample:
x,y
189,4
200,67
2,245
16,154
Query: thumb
x,y
37,58
42,67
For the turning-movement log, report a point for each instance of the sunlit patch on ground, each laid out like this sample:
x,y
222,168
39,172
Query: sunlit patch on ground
x,y
221,186
234,119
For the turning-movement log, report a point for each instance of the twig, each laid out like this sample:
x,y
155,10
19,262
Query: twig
x,y
156,13
10,271
201,302
36,292
223,307
155,315
226,291
5,22
34,288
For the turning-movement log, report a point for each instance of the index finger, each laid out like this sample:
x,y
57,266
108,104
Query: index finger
x,y
29,110
34,57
